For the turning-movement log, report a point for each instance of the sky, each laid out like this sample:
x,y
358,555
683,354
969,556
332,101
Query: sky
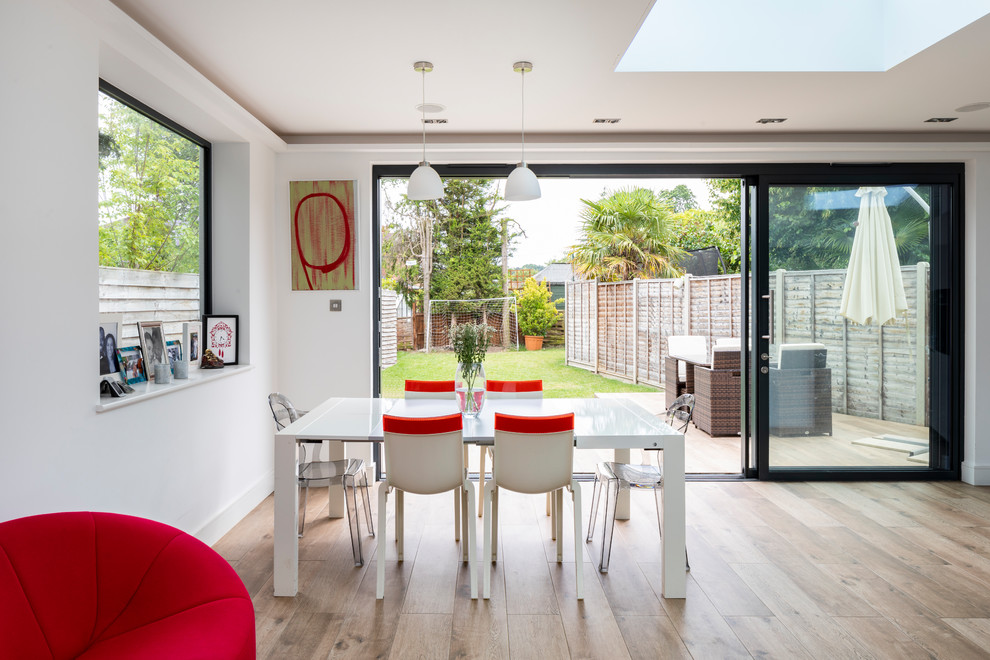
x,y
552,223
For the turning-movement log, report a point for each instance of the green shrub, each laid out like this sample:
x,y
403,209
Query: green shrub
x,y
535,311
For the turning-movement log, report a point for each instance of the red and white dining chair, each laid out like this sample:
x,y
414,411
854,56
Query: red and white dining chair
x,y
440,389
507,389
533,455
429,389
424,456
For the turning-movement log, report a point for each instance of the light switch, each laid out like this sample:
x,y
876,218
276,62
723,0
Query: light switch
x,y
335,306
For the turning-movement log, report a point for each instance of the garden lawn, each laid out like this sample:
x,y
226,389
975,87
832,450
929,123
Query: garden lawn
x,y
559,380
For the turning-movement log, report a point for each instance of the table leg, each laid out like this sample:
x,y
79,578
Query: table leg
x,y
622,504
337,497
673,561
286,517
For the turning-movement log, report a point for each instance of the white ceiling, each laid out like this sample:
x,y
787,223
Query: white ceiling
x,y
345,70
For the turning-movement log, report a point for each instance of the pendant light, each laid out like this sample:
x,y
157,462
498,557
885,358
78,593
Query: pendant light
x,y
424,182
522,184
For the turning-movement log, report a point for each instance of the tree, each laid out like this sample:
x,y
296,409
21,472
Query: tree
x,y
810,229
149,193
695,229
457,240
679,198
626,235
468,241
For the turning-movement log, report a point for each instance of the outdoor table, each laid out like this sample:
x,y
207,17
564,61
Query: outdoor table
x,y
672,367
616,424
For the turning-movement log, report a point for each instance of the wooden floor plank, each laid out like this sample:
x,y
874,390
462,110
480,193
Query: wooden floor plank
x,y
976,630
651,637
882,638
589,624
767,637
785,570
537,637
425,636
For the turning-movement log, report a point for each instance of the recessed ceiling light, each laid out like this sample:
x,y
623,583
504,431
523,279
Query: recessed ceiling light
x,y
771,120
430,107
604,120
973,107
438,120
940,120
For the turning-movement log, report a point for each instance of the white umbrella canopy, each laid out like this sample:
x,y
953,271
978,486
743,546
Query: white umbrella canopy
x,y
874,289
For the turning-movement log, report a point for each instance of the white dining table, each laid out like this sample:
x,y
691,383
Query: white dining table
x,y
612,423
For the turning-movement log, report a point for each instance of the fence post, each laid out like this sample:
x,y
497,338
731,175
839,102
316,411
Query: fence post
x,y
779,332
594,329
428,320
635,331
921,329
686,305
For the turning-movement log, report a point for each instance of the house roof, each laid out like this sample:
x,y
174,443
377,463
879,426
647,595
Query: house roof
x,y
343,72
557,274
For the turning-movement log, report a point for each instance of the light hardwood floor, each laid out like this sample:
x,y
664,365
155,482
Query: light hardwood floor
x,y
778,570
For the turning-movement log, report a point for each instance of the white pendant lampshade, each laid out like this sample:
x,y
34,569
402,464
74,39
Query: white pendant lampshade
x,y
424,183
522,184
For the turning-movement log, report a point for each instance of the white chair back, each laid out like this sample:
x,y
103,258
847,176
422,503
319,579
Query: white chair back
x,y
424,463
533,462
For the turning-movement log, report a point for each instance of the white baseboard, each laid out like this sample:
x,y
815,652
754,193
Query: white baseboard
x,y
224,521
976,475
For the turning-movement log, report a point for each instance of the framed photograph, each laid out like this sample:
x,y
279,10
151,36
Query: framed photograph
x,y
152,338
131,364
220,336
192,342
111,327
173,349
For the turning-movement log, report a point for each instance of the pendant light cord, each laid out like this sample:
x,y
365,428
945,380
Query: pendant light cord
x,y
423,109
522,112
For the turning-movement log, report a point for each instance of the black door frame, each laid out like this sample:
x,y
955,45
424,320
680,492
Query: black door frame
x,y
946,324
947,287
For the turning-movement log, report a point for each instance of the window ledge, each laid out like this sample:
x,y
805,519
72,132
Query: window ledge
x,y
149,390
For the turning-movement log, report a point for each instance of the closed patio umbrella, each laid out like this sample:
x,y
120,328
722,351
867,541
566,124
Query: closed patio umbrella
x,y
874,289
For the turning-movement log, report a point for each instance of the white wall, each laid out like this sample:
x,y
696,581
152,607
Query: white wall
x,y
343,363
198,458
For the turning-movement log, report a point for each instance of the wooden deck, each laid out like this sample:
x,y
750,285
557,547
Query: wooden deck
x,y
707,455
795,570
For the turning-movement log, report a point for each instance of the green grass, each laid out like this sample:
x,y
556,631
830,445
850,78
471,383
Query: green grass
x,y
559,380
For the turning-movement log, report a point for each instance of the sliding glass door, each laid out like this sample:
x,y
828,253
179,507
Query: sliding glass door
x,y
858,306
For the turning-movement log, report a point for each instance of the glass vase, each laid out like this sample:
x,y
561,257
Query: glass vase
x,y
469,384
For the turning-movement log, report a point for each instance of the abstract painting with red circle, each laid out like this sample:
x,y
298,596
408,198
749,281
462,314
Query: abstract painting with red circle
x,y
322,223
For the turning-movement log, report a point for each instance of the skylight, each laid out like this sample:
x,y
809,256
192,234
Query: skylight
x,y
792,35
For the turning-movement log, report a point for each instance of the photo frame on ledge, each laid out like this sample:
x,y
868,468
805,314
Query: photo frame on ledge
x,y
111,329
131,364
152,337
192,343
220,336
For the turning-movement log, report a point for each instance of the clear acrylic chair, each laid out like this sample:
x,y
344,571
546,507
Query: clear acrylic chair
x,y
349,473
533,455
611,478
423,456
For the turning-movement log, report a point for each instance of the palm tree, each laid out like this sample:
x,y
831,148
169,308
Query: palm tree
x,y
626,236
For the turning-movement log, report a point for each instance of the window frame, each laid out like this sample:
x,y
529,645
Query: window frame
x,y
206,176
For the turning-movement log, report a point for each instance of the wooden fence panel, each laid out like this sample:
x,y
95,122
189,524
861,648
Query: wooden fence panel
x,y
621,329
389,328
147,295
580,316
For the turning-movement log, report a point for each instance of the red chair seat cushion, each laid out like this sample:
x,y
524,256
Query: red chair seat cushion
x,y
102,585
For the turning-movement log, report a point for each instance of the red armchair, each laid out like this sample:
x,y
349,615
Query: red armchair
x,y
96,586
